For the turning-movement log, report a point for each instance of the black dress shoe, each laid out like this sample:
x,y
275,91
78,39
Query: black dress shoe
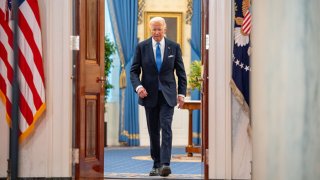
x,y
165,170
154,172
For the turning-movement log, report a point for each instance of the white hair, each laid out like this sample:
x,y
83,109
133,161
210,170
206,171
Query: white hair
x,y
158,19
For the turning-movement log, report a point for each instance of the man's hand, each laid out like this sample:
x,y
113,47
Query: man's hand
x,y
142,92
180,101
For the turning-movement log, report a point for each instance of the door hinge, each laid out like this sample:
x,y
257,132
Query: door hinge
x,y
207,156
207,41
75,156
75,43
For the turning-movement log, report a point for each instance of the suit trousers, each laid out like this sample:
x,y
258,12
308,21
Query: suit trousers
x,y
159,118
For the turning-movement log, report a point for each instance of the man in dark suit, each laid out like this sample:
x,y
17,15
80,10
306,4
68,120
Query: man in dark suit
x,y
157,58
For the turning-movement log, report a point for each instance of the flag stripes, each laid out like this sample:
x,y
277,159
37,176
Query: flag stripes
x,y
246,26
30,70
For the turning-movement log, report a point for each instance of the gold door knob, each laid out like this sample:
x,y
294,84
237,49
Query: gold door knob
x,y
101,79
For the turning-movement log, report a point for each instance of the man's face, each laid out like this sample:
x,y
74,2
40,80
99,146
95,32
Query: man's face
x,y
157,31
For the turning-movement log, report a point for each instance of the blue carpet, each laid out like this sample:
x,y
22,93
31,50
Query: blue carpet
x,y
119,161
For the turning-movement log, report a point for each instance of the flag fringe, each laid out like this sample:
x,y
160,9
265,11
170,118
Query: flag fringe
x,y
237,93
244,105
3,99
30,129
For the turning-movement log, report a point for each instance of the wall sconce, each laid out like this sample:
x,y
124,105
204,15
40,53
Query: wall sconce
x,y
141,5
189,12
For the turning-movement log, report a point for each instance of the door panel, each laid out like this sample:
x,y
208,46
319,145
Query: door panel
x,y
90,90
91,29
91,150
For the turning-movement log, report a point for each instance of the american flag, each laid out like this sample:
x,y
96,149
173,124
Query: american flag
x,y
30,71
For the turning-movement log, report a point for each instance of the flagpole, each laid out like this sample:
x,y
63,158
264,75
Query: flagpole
x,y
14,131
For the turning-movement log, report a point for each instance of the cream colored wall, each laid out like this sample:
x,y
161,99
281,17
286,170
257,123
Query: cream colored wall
x,y
47,153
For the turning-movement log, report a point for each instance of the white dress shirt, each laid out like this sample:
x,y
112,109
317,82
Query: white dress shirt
x,y
154,46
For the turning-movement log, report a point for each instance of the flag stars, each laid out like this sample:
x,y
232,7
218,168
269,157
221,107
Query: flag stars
x,y
237,62
242,65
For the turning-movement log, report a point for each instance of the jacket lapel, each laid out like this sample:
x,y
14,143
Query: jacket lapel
x,y
165,54
151,53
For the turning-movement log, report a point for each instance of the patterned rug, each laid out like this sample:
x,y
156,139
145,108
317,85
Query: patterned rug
x,y
135,163
146,176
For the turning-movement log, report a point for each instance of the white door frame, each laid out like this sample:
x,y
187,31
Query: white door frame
x,y
219,66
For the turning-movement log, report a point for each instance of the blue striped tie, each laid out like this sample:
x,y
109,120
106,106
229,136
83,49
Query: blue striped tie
x,y
158,57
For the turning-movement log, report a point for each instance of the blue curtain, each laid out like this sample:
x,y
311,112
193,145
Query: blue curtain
x,y
195,43
124,15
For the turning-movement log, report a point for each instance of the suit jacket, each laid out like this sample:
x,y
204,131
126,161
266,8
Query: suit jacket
x,y
144,63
